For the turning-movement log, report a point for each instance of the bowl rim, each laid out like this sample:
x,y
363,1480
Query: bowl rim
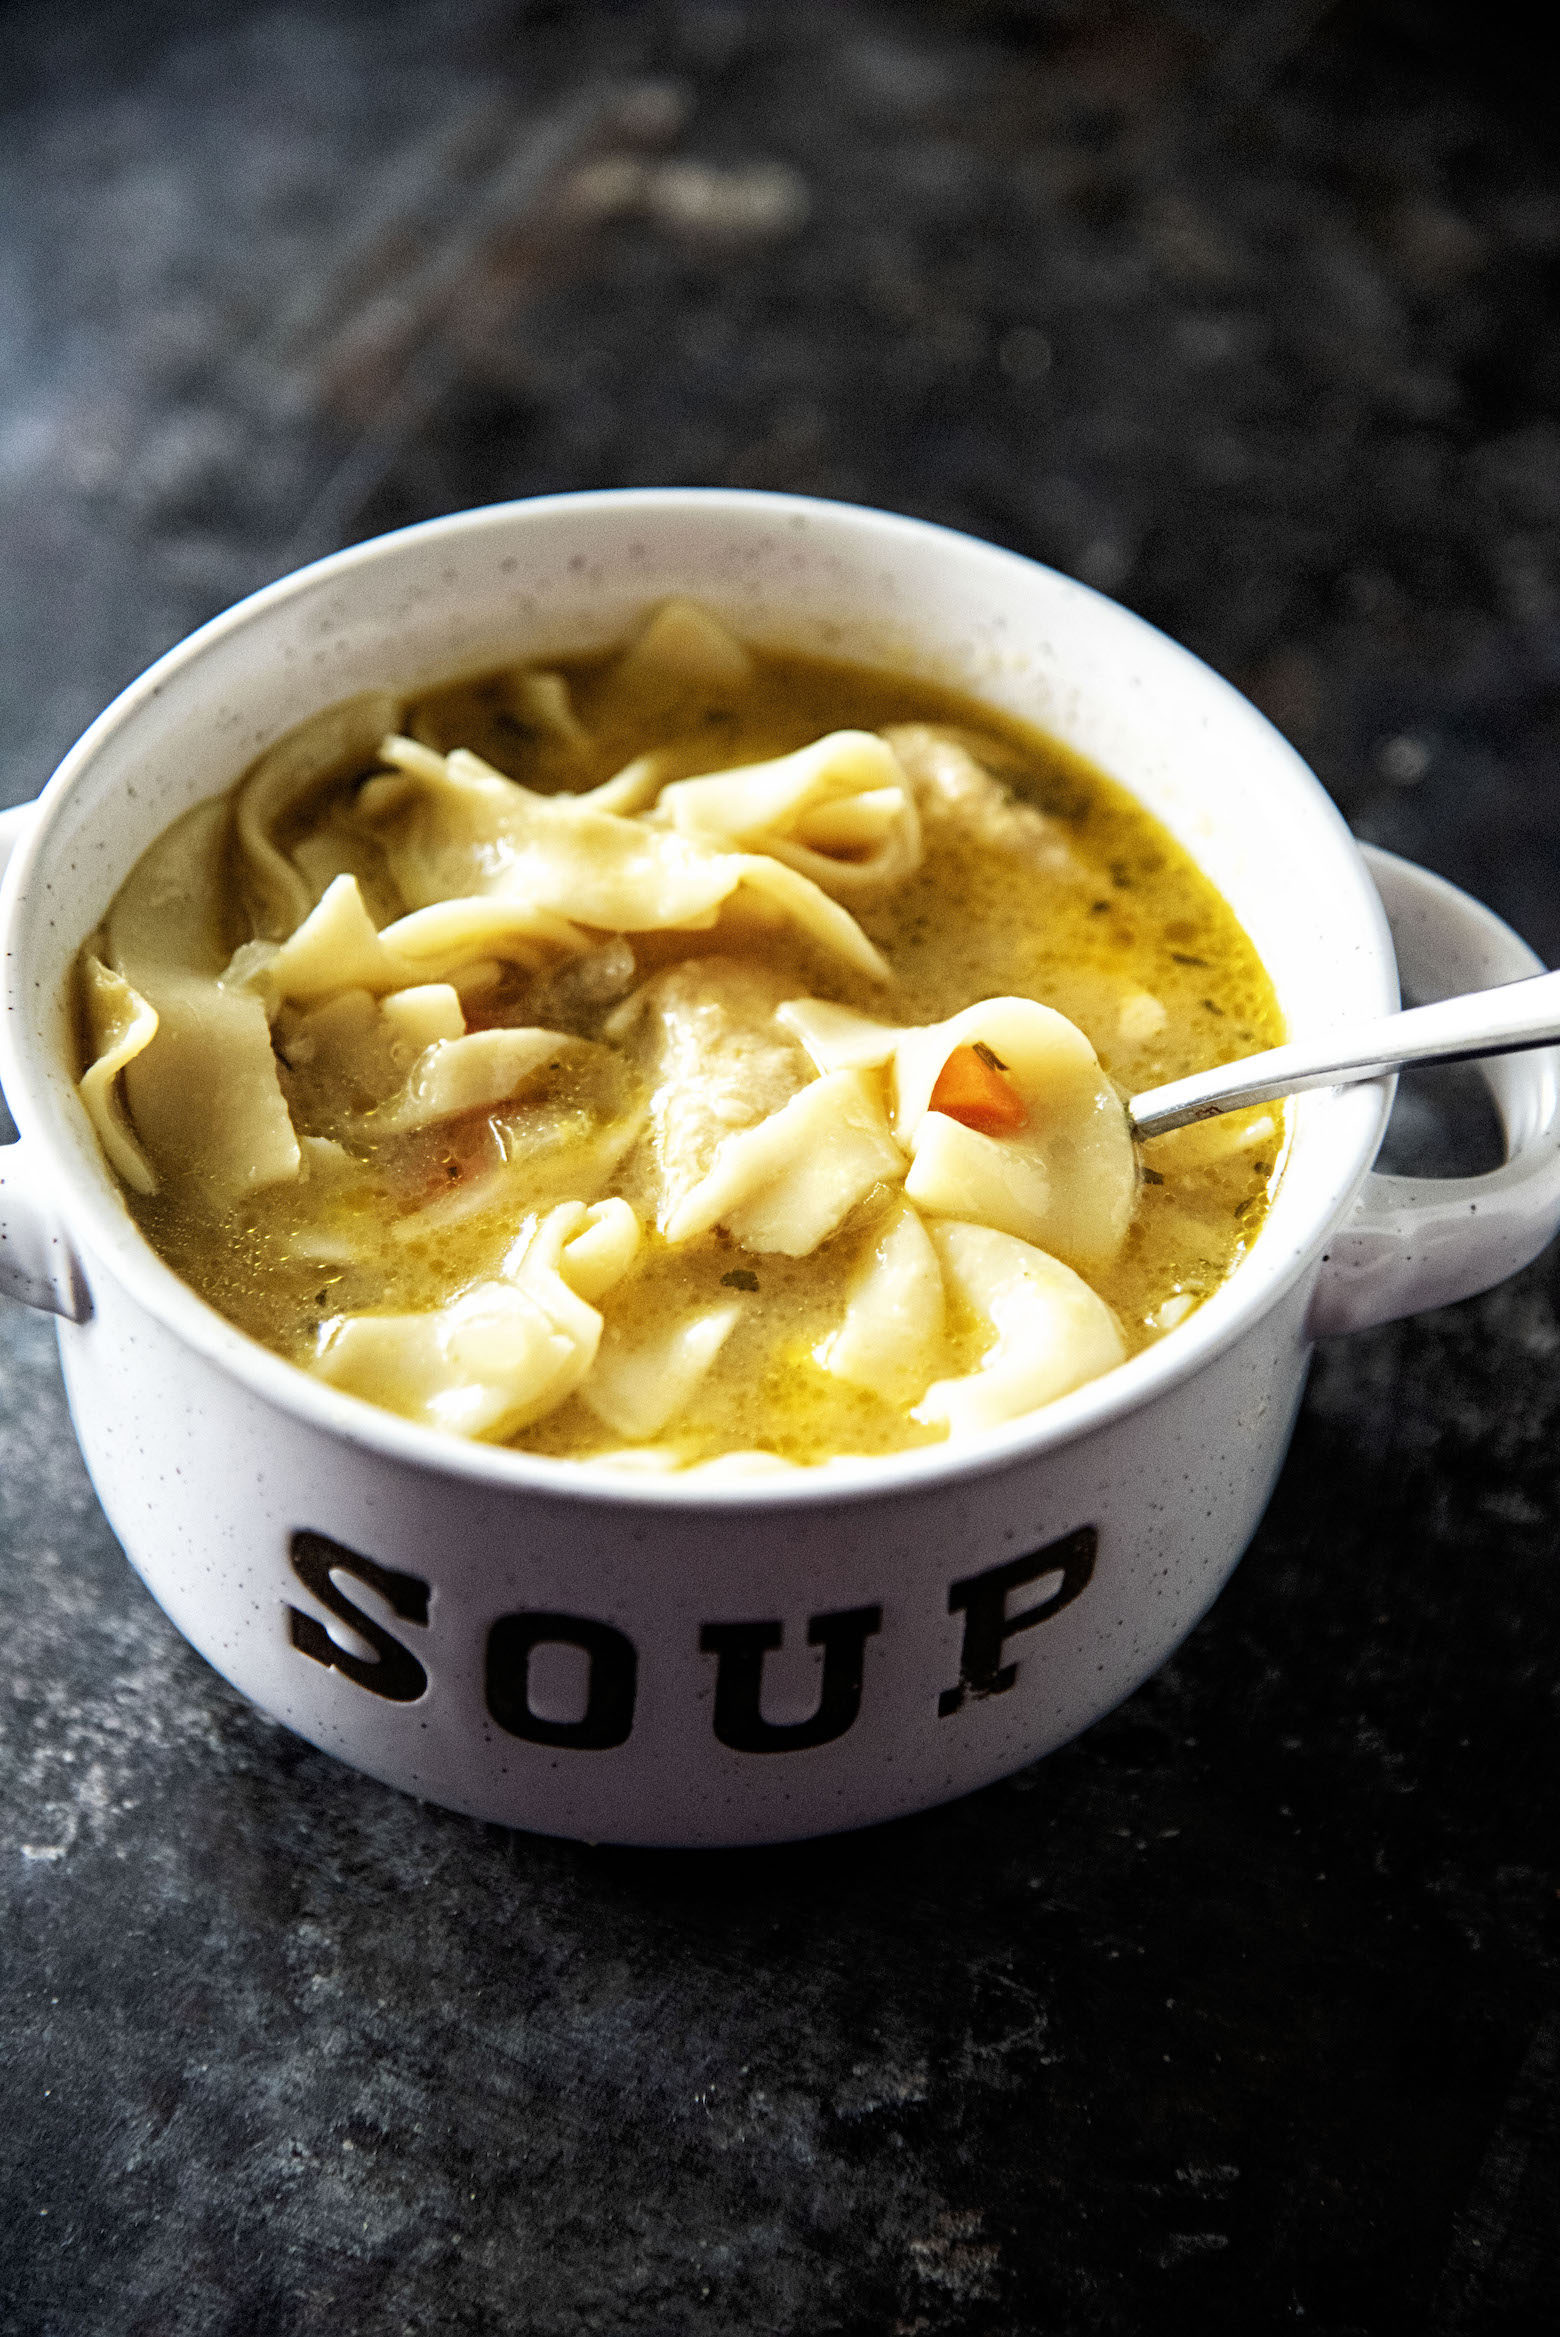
x,y
1349,1122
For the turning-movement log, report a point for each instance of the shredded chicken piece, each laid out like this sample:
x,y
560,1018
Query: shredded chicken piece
x,y
717,1061
954,788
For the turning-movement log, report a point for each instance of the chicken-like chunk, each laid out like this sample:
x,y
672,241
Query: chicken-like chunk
x,y
716,1061
953,787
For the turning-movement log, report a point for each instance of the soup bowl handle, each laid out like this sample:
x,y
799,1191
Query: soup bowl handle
x,y
1418,1242
37,1264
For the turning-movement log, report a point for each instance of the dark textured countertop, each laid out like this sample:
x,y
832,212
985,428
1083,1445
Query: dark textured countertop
x,y
1243,2012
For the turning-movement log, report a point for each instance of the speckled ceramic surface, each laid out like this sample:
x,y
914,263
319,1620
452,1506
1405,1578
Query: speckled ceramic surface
x,y
544,1643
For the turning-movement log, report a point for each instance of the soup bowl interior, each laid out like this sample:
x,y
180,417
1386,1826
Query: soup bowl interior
x,y
572,573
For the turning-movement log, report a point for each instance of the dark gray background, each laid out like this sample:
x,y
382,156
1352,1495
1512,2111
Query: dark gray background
x,y
1241,2014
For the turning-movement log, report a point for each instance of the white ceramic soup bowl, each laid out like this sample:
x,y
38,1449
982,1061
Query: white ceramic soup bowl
x,y
564,1647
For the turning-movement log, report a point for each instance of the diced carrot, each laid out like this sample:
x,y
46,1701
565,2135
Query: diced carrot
x,y
973,1089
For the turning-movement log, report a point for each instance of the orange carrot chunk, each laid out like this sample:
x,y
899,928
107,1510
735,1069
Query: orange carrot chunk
x,y
972,1088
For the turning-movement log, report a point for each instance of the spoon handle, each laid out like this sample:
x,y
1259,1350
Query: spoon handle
x,y
1454,1030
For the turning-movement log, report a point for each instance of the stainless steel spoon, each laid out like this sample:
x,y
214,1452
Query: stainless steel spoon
x,y
1455,1030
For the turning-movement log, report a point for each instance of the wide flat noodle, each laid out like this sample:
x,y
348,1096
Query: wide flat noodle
x,y
338,946
840,812
120,1023
503,1354
473,1074
891,1339
165,916
593,1250
837,1037
991,1180
790,1182
332,745
1050,1333
417,1017
468,832
490,1362
471,831
635,787
203,1093
800,902
686,648
540,701
638,1387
